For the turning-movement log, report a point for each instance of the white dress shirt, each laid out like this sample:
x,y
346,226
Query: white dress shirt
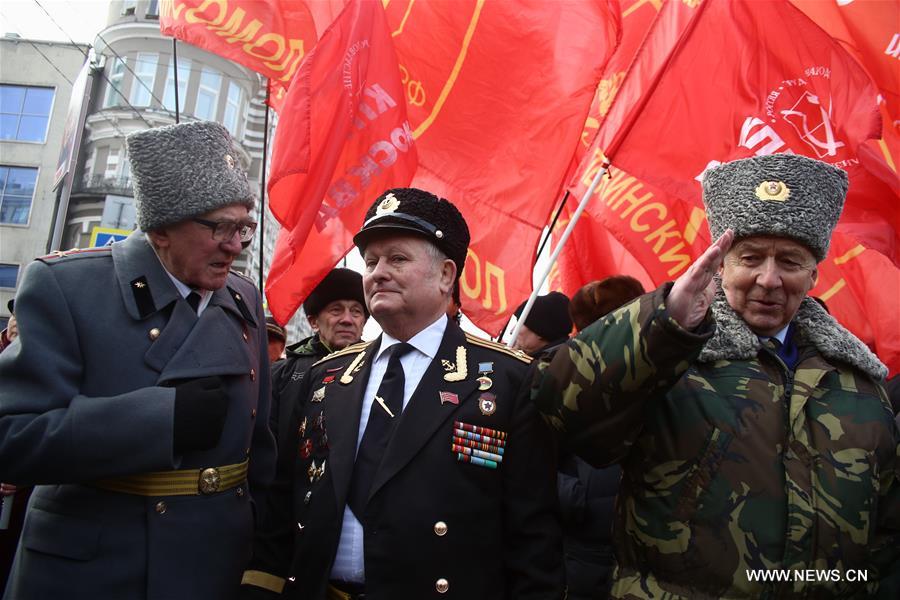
x,y
349,563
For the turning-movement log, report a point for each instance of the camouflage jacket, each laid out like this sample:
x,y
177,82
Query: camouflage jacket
x,y
730,461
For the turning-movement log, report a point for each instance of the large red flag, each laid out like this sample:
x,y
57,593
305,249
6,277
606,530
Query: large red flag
x,y
270,37
777,83
342,139
653,209
497,94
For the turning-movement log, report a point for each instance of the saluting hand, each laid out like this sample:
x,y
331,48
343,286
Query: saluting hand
x,y
693,292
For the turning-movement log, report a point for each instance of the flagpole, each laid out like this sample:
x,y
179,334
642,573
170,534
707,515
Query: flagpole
x,y
552,225
175,71
604,167
621,135
262,192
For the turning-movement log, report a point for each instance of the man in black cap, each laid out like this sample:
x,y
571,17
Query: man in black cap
x,y
415,468
336,310
547,325
277,339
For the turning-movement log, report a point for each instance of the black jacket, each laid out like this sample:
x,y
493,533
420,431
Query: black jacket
x,y
287,379
587,501
490,533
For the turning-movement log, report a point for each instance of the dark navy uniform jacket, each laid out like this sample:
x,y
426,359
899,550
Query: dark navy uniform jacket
x,y
85,394
435,526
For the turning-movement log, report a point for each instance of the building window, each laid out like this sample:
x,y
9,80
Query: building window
x,y
208,94
9,275
128,7
25,112
142,86
16,192
114,91
153,9
231,118
184,74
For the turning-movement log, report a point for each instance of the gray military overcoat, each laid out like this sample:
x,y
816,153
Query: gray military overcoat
x,y
85,395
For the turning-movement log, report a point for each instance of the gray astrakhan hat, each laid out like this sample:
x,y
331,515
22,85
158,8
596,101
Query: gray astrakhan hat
x,y
783,195
182,171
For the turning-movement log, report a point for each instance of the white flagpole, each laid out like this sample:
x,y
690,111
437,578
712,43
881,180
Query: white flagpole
x,y
562,240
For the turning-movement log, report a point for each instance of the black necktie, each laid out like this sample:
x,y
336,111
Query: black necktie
x,y
194,300
787,351
388,401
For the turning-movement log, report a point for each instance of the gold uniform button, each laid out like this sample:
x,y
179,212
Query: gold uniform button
x,y
161,507
240,492
238,296
442,585
245,336
440,528
252,374
153,333
253,413
247,451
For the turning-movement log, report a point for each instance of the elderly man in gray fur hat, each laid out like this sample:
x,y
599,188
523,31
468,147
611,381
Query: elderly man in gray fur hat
x,y
759,452
138,402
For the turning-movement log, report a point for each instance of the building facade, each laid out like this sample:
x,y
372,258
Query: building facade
x,y
135,88
35,86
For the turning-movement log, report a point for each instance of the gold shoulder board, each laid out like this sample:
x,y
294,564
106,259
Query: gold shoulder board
x,y
351,349
517,354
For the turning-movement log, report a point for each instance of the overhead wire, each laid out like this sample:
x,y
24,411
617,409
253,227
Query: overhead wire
x,y
102,73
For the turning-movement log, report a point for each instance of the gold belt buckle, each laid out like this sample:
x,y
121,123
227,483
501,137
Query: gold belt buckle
x,y
210,481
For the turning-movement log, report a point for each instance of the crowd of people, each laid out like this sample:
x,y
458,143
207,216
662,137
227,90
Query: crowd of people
x,y
720,436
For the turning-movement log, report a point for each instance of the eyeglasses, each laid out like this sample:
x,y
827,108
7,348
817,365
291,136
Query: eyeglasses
x,y
223,231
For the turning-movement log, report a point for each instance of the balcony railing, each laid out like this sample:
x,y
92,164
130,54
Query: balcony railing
x,y
107,185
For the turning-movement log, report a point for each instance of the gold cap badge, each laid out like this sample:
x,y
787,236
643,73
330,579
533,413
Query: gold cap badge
x,y
773,191
388,205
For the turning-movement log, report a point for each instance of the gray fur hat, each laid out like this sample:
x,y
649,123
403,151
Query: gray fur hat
x,y
784,195
182,171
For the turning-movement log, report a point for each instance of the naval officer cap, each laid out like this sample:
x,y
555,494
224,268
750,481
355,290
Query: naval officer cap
x,y
414,211
782,195
183,171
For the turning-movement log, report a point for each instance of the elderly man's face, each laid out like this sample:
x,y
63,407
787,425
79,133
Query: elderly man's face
x,y
404,285
189,252
339,323
765,279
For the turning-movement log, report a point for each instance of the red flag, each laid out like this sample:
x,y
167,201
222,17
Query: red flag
x,y
861,287
790,88
341,140
270,37
498,93
653,207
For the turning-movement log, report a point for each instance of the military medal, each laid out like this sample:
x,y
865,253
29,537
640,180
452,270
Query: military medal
x,y
311,471
307,497
329,378
306,447
460,372
323,441
302,429
487,404
319,394
485,382
319,423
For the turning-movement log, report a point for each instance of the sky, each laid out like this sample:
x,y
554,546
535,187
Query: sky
x,y
79,19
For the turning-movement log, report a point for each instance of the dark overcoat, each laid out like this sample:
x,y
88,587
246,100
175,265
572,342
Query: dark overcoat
x,y
85,395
